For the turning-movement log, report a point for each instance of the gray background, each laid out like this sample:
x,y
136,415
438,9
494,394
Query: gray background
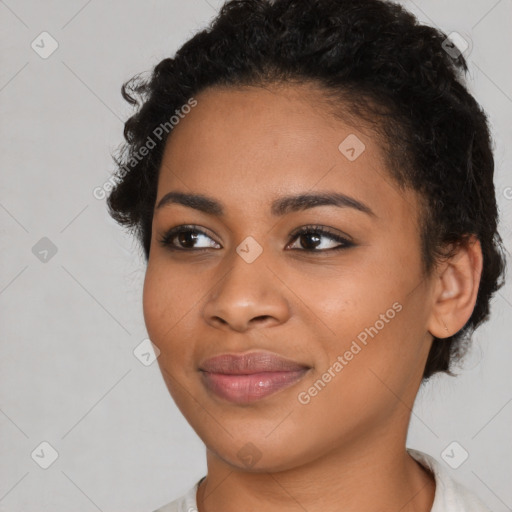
x,y
69,324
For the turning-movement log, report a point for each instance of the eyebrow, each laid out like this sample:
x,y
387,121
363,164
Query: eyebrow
x,y
280,206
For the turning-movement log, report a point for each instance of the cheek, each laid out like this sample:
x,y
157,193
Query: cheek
x,y
370,304
172,299
166,299
160,317
152,303
347,301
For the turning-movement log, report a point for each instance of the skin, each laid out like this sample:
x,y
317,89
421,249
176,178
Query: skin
x,y
245,147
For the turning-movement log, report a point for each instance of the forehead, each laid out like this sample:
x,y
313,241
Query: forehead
x,y
248,146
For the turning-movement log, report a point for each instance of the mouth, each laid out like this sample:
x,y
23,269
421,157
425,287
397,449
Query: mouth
x,y
250,377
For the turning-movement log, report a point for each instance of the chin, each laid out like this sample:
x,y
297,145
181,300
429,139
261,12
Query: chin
x,y
256,454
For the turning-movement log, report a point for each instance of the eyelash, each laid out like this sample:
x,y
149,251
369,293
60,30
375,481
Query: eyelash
x,y
167,238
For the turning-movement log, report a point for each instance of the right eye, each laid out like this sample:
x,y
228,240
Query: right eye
x,y
186,236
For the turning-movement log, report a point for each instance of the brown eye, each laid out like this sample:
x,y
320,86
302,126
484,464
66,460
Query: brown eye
x,y
185,238
310,240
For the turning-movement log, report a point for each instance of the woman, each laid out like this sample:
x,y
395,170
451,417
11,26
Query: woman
x,y
312,185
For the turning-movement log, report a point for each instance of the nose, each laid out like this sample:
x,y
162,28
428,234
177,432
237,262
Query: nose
x,y
248,296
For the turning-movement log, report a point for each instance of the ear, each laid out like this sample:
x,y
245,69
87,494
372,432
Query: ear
x,y
456,289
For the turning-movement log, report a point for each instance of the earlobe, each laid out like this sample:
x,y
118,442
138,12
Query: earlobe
x,y
456,290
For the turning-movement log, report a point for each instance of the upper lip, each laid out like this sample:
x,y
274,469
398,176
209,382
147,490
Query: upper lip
x,y
253,362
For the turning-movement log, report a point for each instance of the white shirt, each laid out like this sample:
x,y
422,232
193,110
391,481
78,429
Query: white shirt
x,y
450,495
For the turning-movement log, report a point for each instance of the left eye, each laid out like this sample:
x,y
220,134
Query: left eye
x,y
310,239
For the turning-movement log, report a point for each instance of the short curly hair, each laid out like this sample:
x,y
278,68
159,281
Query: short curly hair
x,y
371,57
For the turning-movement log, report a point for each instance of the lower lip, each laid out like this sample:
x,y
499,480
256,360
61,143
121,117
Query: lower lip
x,y
242,389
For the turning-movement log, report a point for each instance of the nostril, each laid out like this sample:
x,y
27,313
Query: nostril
x,y
261,318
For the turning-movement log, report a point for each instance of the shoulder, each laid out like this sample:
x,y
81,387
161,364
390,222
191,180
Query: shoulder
x,y
185,503
450,495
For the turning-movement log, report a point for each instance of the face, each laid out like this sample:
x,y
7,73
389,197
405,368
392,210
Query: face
x,y
331,284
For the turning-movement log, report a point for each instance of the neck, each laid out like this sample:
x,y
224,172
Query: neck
x,y
374,474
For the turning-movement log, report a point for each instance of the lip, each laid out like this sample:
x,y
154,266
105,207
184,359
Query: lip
x,y
252,362
245,378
